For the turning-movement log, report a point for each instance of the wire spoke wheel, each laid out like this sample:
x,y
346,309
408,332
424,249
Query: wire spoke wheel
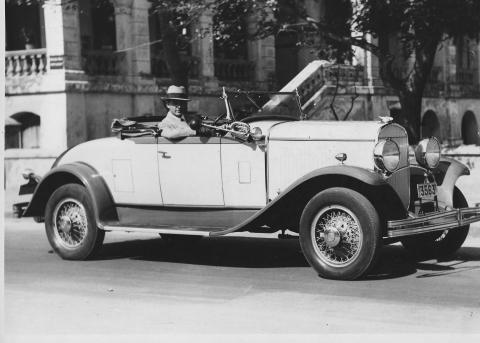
x,y
70,223
336,235
340,232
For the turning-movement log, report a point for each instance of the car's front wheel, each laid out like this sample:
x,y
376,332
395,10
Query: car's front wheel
x,y
340,234
439,244
70,223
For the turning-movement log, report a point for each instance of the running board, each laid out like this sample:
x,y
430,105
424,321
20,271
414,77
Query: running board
x,y
169,230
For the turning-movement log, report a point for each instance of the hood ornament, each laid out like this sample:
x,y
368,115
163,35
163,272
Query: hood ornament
x,y
342,157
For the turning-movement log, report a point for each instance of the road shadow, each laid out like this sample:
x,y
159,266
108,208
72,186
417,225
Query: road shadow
x,y
239,252
244,252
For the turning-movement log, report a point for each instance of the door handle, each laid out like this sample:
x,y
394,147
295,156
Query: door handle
x,y
164,154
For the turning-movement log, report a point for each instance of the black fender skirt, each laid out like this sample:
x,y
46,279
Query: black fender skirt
x,y
77,172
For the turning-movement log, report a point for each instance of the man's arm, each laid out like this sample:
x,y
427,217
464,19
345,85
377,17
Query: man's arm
x,y
180,131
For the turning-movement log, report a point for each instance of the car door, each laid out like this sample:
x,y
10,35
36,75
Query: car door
x,y
243,173
190,172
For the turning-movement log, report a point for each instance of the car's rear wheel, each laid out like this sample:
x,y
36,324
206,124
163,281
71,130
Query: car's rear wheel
x,y
340,234
439,244
70,223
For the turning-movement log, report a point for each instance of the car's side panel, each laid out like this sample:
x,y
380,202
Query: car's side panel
x,y
243,173
288,160
181,217
129,167
190,171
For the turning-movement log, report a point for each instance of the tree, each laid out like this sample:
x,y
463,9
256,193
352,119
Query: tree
x,y
406,36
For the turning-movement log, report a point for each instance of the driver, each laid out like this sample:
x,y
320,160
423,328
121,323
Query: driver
x,y
174,124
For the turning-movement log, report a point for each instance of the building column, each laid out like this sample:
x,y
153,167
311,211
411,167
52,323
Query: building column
x,y
451,62
62,35
203,49
124,33
141,53
262,52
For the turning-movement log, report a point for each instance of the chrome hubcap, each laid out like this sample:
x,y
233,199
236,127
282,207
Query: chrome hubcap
x,y
70,223
331,236
336,235
65,224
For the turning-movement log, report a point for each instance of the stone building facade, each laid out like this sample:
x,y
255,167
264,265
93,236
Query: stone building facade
x,y
71,67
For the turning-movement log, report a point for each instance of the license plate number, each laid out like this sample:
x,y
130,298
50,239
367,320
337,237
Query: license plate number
x,y
427,190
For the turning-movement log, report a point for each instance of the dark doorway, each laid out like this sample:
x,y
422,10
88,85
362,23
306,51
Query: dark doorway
x,y
286,57
470,134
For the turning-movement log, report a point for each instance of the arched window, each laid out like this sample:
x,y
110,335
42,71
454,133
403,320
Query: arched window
x,y
24,25
430,125
470,134
22,131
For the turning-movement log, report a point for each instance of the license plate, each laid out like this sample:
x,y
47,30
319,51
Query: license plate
x,y
427,190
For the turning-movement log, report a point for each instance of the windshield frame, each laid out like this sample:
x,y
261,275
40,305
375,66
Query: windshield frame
x,y
230,109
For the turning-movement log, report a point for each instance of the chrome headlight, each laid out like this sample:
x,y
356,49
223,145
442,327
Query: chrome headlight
x,y
387,155
427,153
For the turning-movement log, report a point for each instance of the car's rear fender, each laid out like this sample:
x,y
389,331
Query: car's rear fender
x,y
80,173
285,210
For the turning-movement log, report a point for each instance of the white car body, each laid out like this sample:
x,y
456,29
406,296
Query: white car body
x,y
223,171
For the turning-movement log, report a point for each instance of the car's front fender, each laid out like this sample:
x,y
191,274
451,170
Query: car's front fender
x,y
286,209
80,173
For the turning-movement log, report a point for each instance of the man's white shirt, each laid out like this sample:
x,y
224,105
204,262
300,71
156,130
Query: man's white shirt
x,y
174,127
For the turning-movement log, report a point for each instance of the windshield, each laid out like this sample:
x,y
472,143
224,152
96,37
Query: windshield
x,y
270,104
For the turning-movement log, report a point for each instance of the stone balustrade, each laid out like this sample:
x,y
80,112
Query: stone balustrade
x,y
101,62
160,70
25,62
343,74
234,70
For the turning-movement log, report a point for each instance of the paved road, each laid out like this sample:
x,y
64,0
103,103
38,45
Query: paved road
x,y
230,285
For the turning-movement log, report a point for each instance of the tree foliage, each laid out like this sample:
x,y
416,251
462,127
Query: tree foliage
x,y
406,34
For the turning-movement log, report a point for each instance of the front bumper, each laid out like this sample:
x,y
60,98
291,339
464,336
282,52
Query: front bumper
x,y
437,221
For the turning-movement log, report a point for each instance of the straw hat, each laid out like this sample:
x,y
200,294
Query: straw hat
x,y
176,93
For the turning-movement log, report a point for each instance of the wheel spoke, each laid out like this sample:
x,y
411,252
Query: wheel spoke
x,y
337,235
70,223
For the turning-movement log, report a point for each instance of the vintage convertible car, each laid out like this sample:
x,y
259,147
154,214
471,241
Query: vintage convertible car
x,y
346,188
